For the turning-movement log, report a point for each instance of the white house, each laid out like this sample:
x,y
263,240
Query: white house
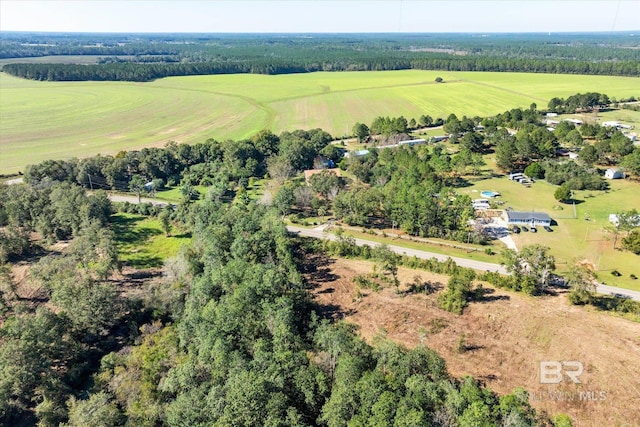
x,y
527,218
613,173
614,219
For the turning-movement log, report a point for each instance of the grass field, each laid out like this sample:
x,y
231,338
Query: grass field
x,y
44,120
575,237
141,241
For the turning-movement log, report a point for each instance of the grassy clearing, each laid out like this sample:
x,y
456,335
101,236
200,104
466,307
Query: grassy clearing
x,y
574,237
43,120
141,241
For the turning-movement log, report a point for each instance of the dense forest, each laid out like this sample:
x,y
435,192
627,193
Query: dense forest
x,y
146,57
230,338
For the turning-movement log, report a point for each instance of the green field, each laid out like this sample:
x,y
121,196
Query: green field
x,y
575,237
141,241
43,120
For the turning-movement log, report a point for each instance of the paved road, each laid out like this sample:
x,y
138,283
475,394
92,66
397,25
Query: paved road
x,y
134,199
606,289
14,181
463,262
318,233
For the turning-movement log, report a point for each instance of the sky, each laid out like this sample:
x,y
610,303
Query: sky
x,y
320,16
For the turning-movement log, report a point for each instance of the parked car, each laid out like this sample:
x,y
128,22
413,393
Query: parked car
x,y
533,230
524,228
547,228
516,229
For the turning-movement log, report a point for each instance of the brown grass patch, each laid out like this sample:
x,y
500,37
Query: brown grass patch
x,y
506,337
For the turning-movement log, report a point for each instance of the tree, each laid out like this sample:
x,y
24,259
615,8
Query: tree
x,y
165,220
279,169
266,142
387,260
533,263
472,142
426,120
588,155
98,411
563,193
627,220
632,241
631,162
361,131
534,170
284,199
136,185
582,281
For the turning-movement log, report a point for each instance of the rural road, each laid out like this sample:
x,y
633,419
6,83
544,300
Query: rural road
x,y
134,199
463,262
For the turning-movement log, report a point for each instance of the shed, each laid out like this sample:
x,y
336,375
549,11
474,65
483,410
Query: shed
x,y
613,173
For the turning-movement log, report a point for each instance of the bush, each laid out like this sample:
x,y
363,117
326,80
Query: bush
x,y
366,283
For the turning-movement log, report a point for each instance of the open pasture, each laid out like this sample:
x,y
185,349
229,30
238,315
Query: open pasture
x,y
44,120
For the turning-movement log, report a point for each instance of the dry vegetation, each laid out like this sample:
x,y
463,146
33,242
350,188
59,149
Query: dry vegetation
x,y
505,338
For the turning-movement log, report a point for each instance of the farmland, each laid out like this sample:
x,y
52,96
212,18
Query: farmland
x,y
43,120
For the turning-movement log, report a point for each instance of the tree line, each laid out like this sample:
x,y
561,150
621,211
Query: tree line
x,y
142,71
148,57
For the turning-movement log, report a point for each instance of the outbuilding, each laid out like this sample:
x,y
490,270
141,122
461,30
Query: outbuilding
x,y
613,173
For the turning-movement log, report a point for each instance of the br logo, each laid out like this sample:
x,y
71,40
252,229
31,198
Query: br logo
x,y
551,371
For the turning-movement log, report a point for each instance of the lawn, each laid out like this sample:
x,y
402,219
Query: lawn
x,y
141,241
582,236
44,120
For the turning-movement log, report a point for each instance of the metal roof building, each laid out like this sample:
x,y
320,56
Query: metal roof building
x,y
527,218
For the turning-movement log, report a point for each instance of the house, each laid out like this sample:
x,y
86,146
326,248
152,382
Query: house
x,y
480,204
574,121
322,162
552,114
516,176
413,142
616,125
614,219
357,153
310,172
527,218
613,173
439,138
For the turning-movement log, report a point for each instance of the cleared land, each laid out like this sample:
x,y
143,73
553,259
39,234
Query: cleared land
x,y
44,120
142,243
506,336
